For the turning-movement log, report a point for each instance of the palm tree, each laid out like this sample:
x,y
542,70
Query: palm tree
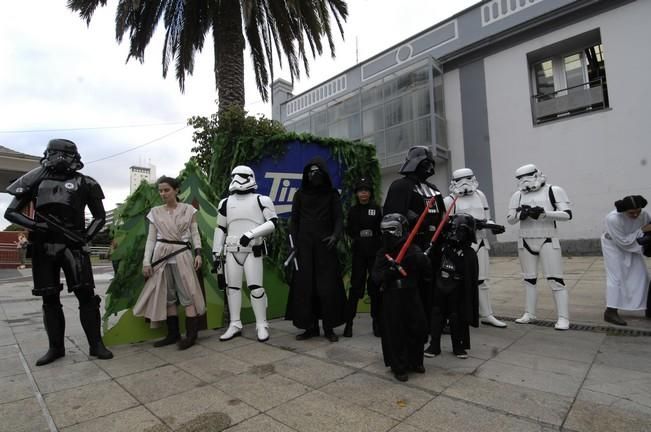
x,y
288,26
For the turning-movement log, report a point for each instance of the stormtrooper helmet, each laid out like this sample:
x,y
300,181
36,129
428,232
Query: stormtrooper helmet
x,y
529,178
61,155
242,180
463,182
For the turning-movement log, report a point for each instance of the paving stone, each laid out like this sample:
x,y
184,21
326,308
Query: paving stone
x,y
289,343
79,404
205,405
445,414
386,397
214,367
59,378
15,387
158,383
449,361
258,353
310,371
73,356
434,379
260,423
622,360
538,362
584,345
536,379
621,383
213,343
11,365
130,363
537,405
22,416
262,392
172,354
318,412
137,419
613,401
592,417
346,355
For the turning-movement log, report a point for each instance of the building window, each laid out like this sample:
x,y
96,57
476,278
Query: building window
x,y
568,78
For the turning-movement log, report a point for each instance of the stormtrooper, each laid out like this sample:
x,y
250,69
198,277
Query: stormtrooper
x,y
59,238
243,220
472,201
538,206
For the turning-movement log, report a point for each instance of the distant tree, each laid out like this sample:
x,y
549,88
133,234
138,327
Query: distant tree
x,y
14,227
288,26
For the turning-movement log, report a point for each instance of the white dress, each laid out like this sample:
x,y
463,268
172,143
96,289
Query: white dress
x,y
627,277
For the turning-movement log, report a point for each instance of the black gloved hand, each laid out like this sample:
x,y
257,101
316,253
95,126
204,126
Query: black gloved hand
x,y
524,212
245,240
499,230
536,211
216,264
330,241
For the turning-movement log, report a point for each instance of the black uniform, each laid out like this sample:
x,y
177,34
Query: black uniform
x,y
317,289
363,227
58,240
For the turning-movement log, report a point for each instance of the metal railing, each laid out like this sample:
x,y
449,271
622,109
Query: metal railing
x,y
573,100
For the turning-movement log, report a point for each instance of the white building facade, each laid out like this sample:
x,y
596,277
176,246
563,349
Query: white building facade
x,y
139,173
557,83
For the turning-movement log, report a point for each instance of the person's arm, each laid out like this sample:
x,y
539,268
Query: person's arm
x,y
337,221
563,211
96,207
265,228
513,214
149,250
196,241
624,240
14,214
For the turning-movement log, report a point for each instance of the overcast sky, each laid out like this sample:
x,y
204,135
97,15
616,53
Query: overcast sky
x,y
60,78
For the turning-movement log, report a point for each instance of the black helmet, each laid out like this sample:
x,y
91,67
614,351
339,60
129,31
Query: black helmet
x,y
415,156
62,155
363,183
461,230
394,228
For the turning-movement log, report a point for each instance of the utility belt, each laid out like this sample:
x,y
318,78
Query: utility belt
x,y
232,245
187,244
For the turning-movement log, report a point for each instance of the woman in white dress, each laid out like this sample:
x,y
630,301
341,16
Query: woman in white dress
x,y
627,277
172,257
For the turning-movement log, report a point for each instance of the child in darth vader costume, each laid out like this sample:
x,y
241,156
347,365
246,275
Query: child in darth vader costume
x,y
316,224
59,238
363,227
402,316
456,288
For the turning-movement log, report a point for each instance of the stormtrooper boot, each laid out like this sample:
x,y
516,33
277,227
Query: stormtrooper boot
x,y
561,299
259,305
530,311
485,309
234,305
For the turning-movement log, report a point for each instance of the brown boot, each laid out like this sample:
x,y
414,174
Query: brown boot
x,y
191,332
611,316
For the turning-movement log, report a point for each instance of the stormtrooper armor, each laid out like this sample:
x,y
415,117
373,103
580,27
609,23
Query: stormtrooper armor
x,y
473,202
538,206
243,220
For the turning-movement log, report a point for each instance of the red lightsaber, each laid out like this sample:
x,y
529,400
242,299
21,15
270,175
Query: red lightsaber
x,y
439,228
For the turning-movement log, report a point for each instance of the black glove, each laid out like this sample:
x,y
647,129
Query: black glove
x,y
330,241
391,273
499,230
524,212
536,211
245,240
216,264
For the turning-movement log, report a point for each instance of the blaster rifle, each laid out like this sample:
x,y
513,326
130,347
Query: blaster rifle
x,y
58,227
495,228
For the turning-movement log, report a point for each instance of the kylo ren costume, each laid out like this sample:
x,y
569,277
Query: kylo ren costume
x,y
316,224
59,238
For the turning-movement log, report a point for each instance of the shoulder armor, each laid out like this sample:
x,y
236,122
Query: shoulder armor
x,y
27,183
93,187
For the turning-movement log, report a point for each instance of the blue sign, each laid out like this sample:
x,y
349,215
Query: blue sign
x,y
280,178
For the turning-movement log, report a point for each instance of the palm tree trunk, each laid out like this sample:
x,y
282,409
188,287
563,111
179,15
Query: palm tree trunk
x,y
229,54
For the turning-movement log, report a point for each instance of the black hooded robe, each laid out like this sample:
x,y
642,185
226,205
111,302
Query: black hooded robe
x,y
317,289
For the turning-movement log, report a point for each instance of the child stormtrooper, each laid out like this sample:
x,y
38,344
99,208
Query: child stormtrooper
x,y
243,219
538,206
473,202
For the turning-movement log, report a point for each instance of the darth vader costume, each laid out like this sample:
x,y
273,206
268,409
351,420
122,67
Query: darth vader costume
x,y
316,225
408,196
59,238
456,287
402,317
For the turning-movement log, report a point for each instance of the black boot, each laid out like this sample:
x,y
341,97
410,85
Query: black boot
x,y
611,316
348,330
191,332
55,326
90,321
376,328
330,334
173,334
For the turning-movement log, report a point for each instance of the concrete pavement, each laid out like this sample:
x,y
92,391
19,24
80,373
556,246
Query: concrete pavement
x,y
523,378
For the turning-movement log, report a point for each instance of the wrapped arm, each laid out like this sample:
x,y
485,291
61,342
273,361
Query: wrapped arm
x,y
196,238
513,214
149,245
